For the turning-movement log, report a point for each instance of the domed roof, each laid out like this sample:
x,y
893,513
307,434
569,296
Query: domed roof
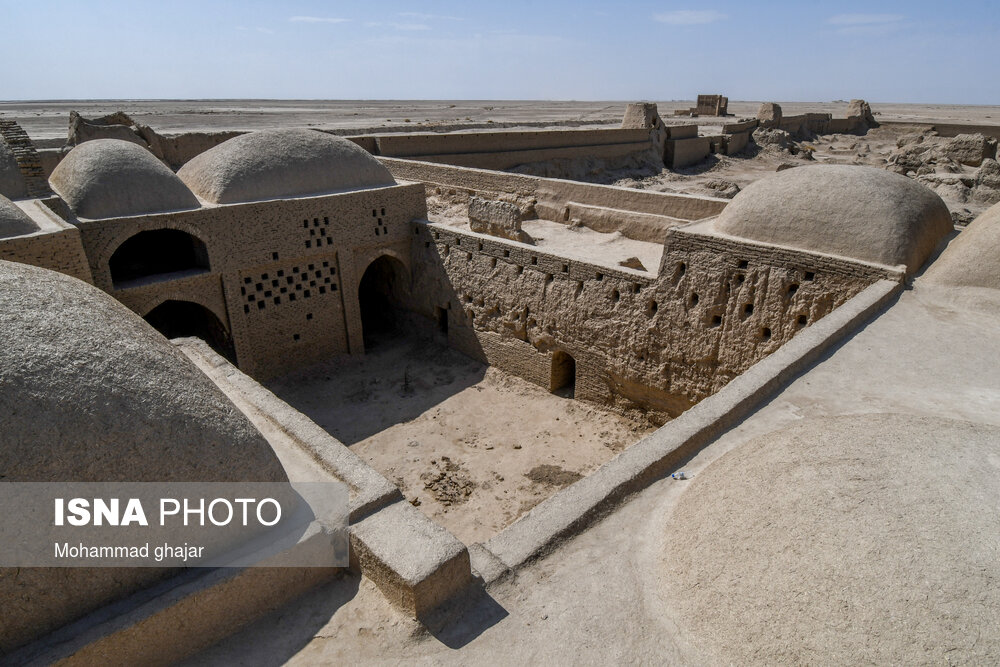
x,y
274,164
860,212
90,392
973,258
12,182
14,221
110,178
811,543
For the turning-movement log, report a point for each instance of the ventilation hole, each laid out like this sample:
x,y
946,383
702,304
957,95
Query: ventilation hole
x,y
792,289
274,283
803,320
296,336
765,333
694,299
636,287
548,278
651,308
291,297
748,310
252,298
493,262
243,291
520,269
326,220
744,264
680,270
306,294
264,277
427,244
479,246
565,268
416,232
260,305
615,296
305,224
599,277
810,275
446,250
506,253
458,243
274,255
247,280
309,244
716,320
295,269
740,278
246,309
267,294
277,300
283,290
534,261
468,257
322,289
383,211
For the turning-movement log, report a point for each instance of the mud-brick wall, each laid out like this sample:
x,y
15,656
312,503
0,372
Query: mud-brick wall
x,y
284,274
56,250
659,345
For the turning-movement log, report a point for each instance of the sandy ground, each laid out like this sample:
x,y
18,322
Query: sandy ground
x,y
605,595
572,241
50,119
473,447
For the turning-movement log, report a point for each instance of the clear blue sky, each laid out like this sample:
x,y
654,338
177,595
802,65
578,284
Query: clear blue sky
x,y
915,51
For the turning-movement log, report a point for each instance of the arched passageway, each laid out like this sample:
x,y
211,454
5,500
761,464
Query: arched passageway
x,y
158,254
379,294
563,379
175,319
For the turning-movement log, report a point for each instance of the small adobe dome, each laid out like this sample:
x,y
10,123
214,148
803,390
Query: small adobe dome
x,y
274,164
973,258
863,213
90,392
14,221
111,178
12,182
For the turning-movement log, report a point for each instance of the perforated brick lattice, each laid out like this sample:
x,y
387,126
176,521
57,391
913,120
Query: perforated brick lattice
x,y
273,288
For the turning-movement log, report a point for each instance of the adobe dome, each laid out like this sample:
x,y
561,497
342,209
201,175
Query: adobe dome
x,y
110,178
972,259
14,221
274,164
12,183
90,392
858,212
859,535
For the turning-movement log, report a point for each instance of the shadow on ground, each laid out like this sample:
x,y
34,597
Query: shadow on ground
x,y
399,378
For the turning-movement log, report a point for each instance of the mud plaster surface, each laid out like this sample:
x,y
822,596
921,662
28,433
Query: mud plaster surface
x,y
471,446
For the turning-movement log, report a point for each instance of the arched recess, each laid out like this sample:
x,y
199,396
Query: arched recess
x,y
158,254
563,378
175,319
381,291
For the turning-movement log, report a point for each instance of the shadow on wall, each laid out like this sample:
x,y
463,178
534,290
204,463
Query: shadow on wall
x,y
177,319
157,254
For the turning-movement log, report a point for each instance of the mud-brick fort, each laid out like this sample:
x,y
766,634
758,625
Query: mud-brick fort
x,y
263,253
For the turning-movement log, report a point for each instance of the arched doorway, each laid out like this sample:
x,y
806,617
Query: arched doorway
x,y
175,319
158,254
380,292
563,378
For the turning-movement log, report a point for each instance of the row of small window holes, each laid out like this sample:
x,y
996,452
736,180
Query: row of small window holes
x,y
276,298
326,219
636,287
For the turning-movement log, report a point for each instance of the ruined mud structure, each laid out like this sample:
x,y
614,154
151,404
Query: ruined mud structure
x,y
282,249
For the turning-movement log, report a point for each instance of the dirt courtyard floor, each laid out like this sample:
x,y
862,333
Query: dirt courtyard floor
x,y
471,446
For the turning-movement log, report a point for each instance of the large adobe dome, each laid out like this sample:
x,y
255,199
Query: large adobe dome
x,y
14,221
859,538
858,212
111,178
12,183
973,258
90,392
274,164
